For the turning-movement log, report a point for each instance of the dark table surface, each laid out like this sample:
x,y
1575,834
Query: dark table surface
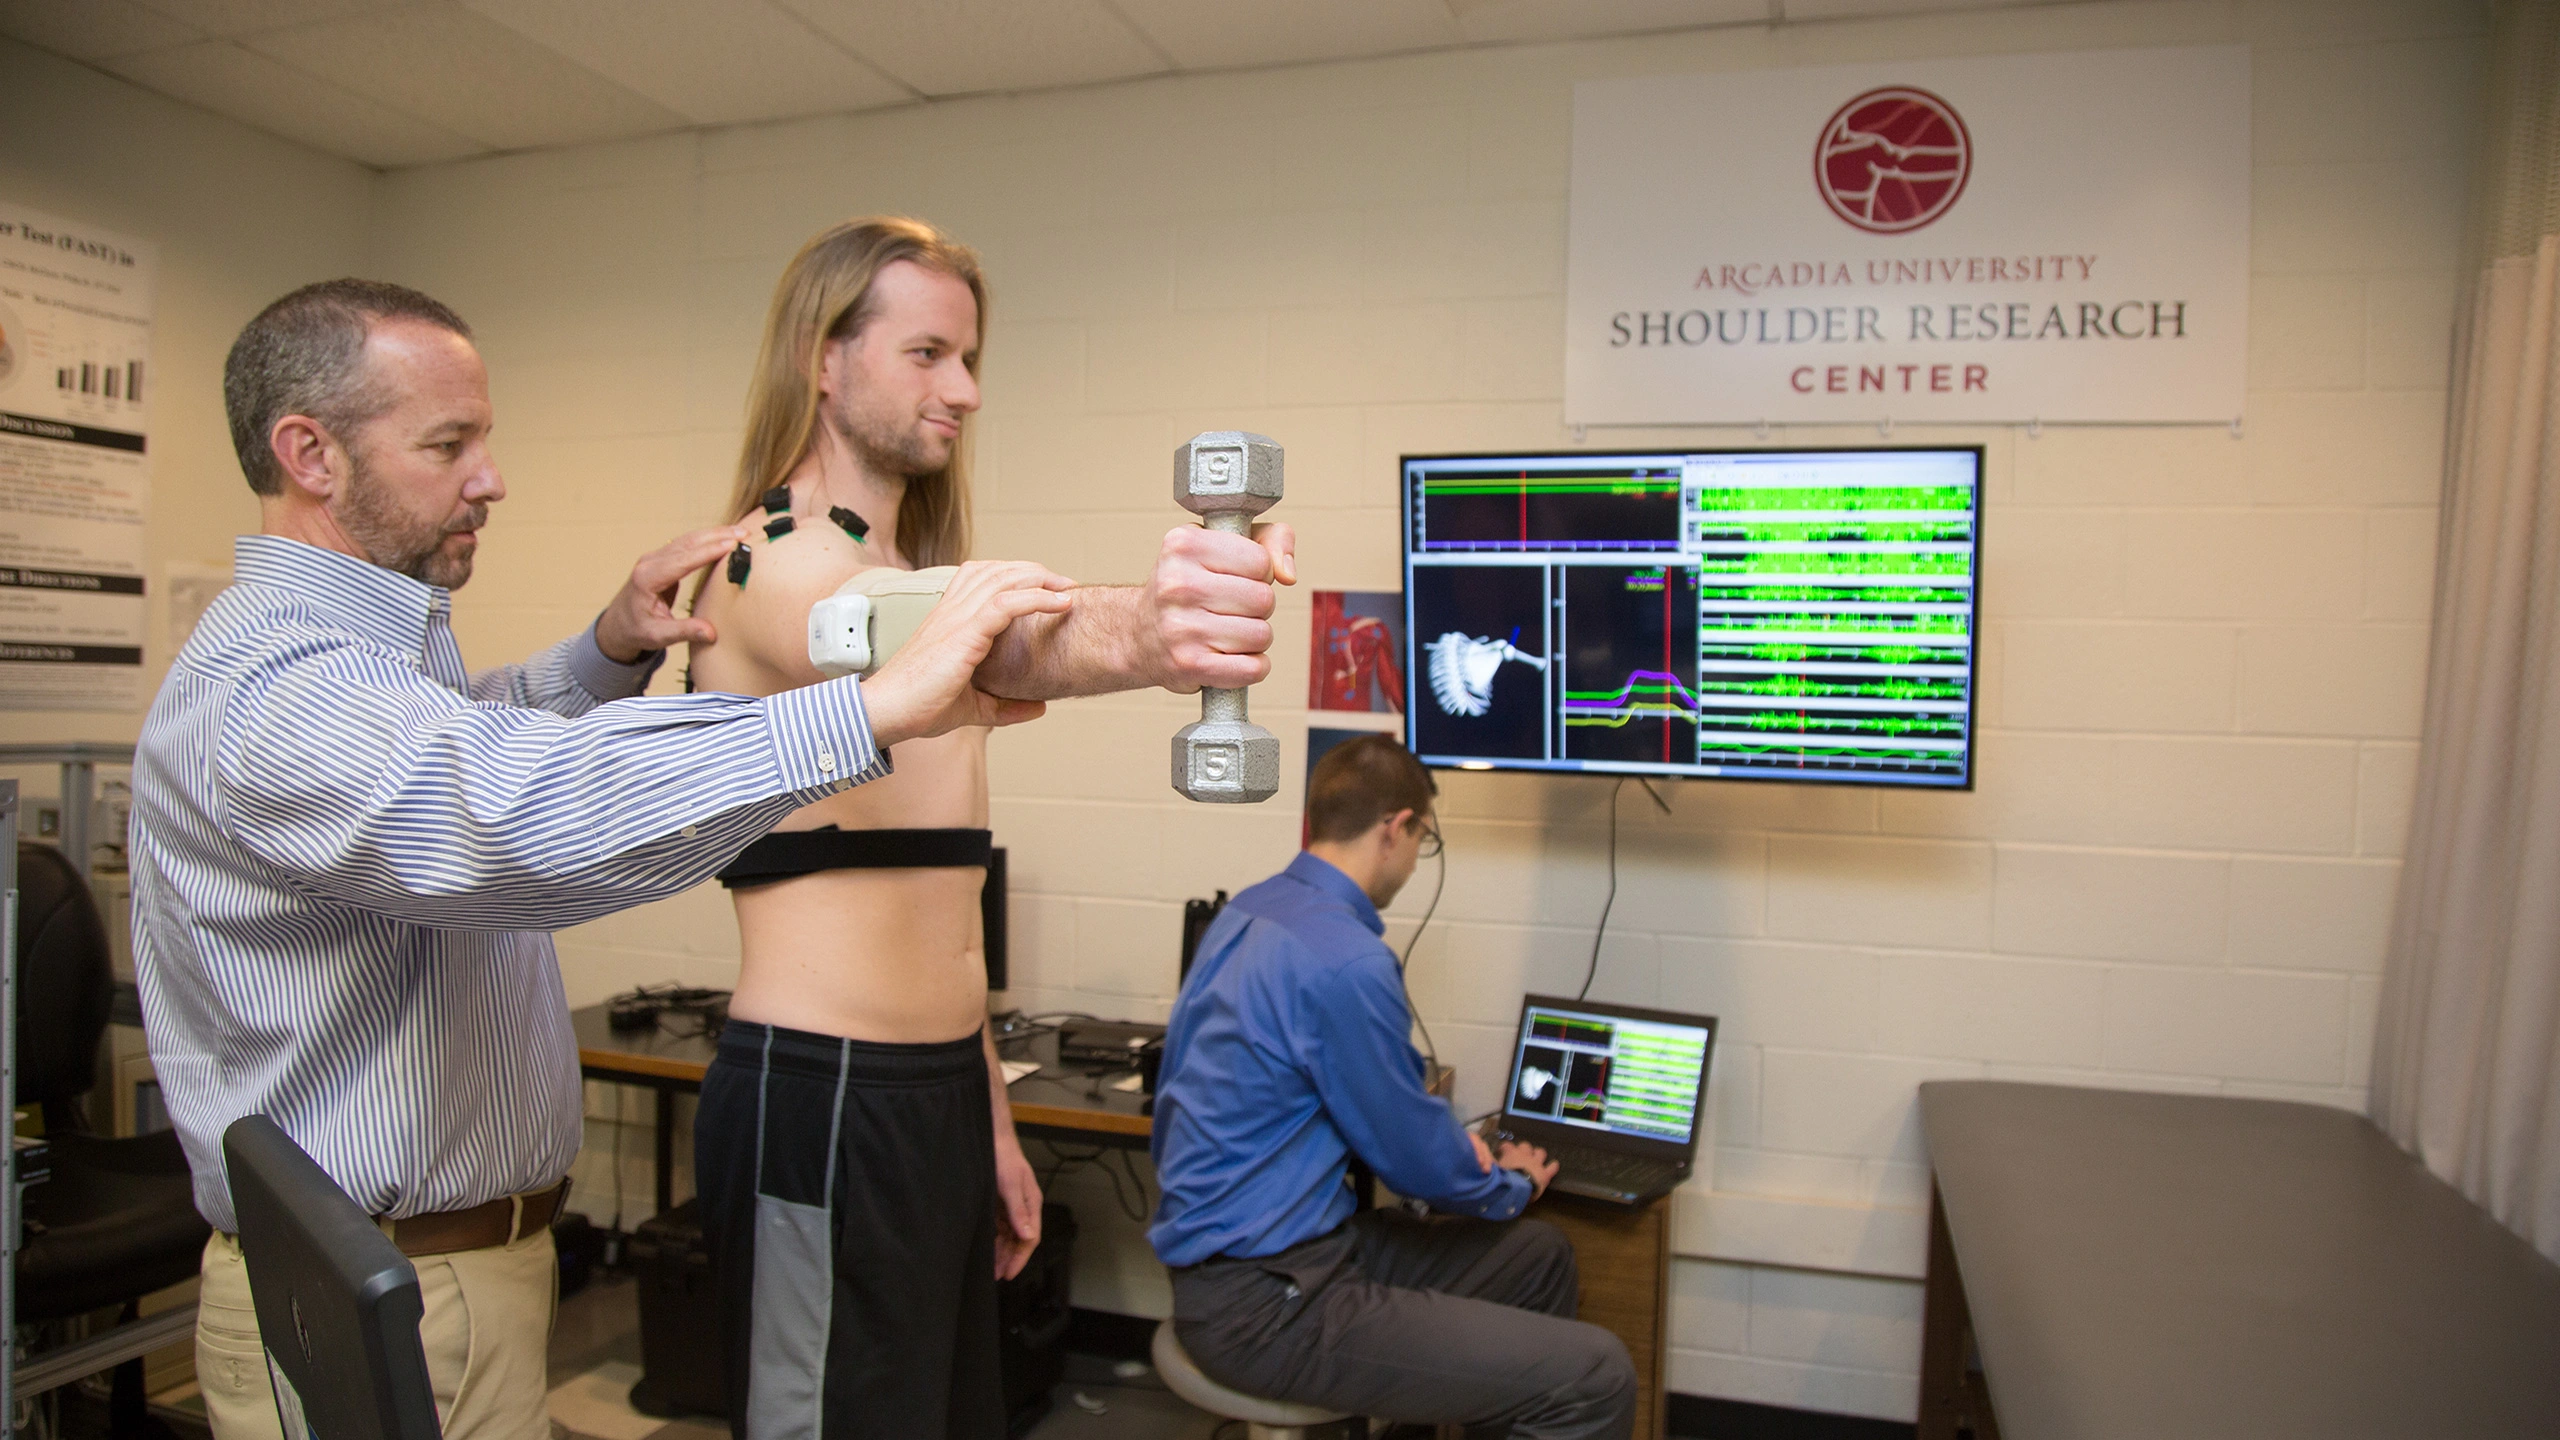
x,y
2146,1266
1062,1098
666,1052
1055,1098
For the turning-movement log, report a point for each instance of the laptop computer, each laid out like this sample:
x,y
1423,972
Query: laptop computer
x,y
1612,1092
338,1304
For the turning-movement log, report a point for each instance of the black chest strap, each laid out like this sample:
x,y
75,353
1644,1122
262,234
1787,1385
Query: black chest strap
x,y
788,853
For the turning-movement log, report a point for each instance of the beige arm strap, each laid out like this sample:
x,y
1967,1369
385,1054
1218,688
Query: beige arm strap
x,y
856,630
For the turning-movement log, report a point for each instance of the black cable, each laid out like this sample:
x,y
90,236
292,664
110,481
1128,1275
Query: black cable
x,y
1137,1182
1405,961
1593,969
1065,1162
1100,1158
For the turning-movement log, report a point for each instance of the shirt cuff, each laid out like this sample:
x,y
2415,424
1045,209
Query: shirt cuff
x,y
822,738
606,678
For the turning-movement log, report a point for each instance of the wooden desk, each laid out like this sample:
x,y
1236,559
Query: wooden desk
x,y
668,1064
2135,1266
1624,1254
1071,1103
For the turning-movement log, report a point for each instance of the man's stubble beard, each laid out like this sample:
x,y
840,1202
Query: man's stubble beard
x,y
372,518
883,444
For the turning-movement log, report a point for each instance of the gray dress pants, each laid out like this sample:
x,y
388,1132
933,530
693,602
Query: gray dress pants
x,y
1432,1321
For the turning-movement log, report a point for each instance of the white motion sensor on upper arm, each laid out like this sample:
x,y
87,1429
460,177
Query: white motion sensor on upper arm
x,y
856,630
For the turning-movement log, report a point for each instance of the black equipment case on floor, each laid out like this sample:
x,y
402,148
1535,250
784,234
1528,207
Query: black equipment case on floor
x,y
680,1345
1032,1309
680,1342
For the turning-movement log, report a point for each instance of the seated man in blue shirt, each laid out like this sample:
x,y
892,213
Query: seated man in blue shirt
x,y
1290,1051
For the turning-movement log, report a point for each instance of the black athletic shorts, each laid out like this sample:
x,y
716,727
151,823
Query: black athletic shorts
x,y
848,1197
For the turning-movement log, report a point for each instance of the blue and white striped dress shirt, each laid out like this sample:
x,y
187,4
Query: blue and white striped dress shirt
x,y
348,854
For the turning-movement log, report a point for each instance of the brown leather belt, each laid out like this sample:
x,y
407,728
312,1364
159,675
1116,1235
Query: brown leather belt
x,y
500,1222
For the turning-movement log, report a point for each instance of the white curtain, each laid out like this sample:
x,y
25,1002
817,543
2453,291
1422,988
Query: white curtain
x,y
2466,1069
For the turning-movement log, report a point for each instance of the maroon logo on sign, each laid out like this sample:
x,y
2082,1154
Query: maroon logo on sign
x,y
1892,160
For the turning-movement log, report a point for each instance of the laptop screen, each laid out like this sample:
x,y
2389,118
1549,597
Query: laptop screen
x,y
1612,1074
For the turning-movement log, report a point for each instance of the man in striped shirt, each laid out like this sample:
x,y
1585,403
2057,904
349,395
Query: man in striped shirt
x,y
348,849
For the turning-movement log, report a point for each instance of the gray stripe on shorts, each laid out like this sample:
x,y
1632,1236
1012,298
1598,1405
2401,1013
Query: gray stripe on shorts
x,y
794,1300
787,1360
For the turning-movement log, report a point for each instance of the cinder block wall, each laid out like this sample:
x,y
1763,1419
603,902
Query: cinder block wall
x,y
239,217
2202,658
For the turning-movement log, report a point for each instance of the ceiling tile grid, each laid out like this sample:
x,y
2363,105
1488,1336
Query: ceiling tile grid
x,y
231,19
221,76
396,83
743,60
1487,21
967,47
92,29
468,74
1232,34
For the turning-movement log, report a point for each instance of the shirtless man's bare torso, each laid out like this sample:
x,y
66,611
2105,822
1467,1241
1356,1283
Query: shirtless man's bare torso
x,y
891,957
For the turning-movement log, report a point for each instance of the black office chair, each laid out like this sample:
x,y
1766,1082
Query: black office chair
x,y
117,1218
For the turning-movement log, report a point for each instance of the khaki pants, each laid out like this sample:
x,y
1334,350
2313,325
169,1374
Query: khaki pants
x,y
487,1332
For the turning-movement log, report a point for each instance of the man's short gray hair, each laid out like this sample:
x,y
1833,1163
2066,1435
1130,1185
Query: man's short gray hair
x,y
304,355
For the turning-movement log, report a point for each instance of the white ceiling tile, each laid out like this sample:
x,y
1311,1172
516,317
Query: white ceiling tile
x,y
1514,20
255,90
964,47
745,60
234,18
90,29
1856,9
467,74
1218,34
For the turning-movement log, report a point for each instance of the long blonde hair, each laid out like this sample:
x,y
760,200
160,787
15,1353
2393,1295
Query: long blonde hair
x,y
826,295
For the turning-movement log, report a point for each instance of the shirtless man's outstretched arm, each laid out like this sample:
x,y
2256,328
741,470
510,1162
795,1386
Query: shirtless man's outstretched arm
x,y
1201,620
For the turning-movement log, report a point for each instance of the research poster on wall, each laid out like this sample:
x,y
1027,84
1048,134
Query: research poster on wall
x,y
75,386
2057,237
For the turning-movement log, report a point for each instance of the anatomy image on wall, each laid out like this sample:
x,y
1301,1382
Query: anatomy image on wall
x,y
1352,651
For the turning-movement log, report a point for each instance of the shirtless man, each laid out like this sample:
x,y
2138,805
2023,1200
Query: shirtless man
x,y
861,1184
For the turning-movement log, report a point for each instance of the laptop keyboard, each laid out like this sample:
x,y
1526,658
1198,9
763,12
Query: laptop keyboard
x,y
1631,1173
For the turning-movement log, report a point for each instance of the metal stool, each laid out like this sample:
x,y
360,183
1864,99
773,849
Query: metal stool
x,y
1263,1419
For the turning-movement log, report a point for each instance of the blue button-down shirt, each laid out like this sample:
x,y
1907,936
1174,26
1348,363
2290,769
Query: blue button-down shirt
x,y
347,854
1290,1050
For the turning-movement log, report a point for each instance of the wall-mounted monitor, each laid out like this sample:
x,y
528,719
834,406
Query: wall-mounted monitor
x,y
1743,614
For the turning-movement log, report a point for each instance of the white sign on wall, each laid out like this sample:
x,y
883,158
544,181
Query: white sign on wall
x,y
2057,237
75,346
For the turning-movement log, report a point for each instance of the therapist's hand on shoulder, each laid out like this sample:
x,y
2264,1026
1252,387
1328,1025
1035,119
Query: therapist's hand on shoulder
x,y
642,619
1529,1160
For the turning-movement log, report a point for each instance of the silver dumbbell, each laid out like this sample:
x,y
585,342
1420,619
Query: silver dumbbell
x,y
1226,477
